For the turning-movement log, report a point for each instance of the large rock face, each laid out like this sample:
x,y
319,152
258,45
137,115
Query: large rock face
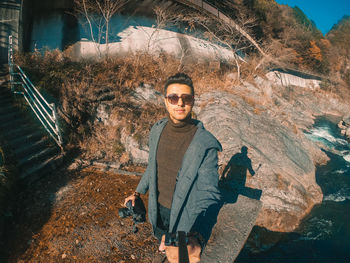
x,y
267,121
284,168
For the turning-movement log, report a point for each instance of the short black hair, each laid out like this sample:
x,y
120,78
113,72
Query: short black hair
x,y
179,78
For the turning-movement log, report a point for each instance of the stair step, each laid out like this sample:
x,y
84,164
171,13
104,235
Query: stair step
x,y
4,91
7,117
13,124
25,139
11,134
28,148
32,160
7,107
6,100
35,172
6,104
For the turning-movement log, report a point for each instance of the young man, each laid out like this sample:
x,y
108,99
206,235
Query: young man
x,y
182,172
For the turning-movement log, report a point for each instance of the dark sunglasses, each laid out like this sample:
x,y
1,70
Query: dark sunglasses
x,y
186,99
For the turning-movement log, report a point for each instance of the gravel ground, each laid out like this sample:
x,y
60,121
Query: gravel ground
x,y
72,216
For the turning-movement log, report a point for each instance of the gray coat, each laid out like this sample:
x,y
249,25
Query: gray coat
x,y
196,191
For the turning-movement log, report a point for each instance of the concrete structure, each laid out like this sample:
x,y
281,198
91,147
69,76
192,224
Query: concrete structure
x,y
10,24
51,24
31,20
293,78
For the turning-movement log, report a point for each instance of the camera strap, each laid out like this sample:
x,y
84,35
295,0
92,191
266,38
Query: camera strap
x,y
183,253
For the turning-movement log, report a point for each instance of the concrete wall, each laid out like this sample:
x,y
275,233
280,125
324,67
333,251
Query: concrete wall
x,y
53,29
48,24
10,13
286,79
51,24
154,41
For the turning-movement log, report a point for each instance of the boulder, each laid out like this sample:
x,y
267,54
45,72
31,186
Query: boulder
x,y
146,94
281,162
344,126
138,153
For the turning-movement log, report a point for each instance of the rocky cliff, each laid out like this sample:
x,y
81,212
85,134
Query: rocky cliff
x,y
268,121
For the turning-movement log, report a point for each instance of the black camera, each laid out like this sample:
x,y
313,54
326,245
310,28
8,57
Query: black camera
x,y
138,211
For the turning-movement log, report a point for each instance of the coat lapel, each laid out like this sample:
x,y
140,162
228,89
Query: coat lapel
x,y
153,145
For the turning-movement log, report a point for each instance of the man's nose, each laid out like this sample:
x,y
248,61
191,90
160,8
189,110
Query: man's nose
x,y
180,102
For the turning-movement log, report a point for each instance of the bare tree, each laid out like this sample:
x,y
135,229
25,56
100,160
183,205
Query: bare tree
x,y
164,17
232,35
225,34
98,14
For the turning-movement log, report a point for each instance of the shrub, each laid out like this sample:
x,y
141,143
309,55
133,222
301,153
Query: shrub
x,y
80,87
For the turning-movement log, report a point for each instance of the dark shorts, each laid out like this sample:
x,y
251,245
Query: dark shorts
x,y
163,219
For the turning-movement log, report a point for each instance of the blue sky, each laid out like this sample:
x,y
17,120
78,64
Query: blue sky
x,y
325,13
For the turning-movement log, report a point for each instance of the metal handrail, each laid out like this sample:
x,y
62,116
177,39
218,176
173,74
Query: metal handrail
x,y
44,111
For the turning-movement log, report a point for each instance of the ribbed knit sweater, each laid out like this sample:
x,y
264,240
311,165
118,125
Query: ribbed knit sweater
x,y
173,143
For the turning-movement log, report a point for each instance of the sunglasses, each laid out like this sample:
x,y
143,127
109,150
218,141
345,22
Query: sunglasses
x,y
186,99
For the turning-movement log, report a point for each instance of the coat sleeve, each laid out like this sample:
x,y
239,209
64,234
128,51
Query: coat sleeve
x,y
143,185
208,195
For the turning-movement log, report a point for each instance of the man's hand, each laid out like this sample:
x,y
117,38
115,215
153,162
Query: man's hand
x,y
131,198
194,251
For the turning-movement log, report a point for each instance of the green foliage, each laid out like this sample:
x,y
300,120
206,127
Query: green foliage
x,y
339,35
308,24
264,7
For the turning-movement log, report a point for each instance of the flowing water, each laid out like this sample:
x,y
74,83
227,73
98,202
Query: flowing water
x,y
324,235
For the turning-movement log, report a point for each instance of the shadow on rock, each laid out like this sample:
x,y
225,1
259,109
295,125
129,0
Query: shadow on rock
x,y
233,178
236,214
232,184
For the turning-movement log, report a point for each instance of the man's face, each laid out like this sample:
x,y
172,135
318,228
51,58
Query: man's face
x,y
182,109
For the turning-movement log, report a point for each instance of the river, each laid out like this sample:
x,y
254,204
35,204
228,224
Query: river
x,y
324,235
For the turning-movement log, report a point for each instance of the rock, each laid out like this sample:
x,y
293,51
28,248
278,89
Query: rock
x,y
146,94
112,118
138,153
268,120
344,126
229,234
347,133
285,170
103,114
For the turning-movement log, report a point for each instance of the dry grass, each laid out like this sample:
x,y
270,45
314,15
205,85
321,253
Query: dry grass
x,y
79,88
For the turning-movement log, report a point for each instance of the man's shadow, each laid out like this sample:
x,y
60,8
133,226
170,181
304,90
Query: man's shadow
x,y
233,178
231,184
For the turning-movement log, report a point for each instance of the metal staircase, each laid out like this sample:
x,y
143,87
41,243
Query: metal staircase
x,y
33,136
35,152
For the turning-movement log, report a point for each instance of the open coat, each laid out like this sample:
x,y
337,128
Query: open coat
x,y
196,196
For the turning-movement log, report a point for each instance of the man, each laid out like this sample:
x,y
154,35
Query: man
x,y
182,175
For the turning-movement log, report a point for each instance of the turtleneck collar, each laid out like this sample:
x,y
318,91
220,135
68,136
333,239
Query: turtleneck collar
x,y
183,126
